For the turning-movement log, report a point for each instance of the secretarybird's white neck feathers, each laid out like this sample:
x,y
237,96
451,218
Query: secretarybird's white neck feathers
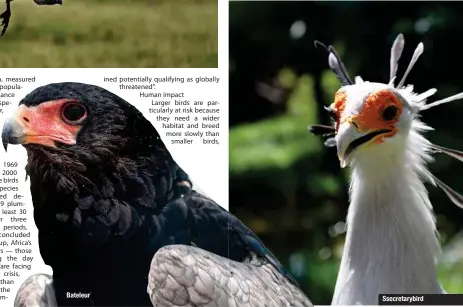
x,y
415,102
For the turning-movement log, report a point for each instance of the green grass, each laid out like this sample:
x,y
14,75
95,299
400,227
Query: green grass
x,y
451,277
276,142
112,33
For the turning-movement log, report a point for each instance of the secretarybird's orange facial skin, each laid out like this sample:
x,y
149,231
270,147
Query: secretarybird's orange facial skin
x,y
380,111
49,123
380,121
364,115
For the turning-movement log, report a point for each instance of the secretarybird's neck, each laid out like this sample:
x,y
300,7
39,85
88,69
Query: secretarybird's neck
x,y
391,244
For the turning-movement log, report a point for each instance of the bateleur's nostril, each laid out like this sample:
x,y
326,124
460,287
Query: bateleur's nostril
x,y
26,119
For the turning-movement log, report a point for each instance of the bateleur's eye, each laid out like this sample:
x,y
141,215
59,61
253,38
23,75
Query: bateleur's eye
x,y
73,113
390,113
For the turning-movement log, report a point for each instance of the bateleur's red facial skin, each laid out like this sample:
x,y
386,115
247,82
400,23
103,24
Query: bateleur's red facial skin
x,y
79,121
49,123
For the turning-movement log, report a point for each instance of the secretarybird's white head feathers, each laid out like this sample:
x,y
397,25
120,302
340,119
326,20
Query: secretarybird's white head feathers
x,y
376,123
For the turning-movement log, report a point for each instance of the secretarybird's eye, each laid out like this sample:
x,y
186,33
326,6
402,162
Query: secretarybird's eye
x,y
390,113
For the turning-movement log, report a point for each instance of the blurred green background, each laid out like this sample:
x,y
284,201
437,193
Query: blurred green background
x,y
111,33
284,184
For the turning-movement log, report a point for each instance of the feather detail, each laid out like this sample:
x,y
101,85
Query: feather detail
x,y
416,55
426,94
453,195
448,151
36,290
180,275
331,142
318,129
325,131
442,101
336,64
340,64
396,53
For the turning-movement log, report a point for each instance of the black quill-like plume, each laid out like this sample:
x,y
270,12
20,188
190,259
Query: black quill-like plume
x,y
336,64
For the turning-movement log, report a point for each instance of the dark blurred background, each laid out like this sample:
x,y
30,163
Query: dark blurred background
x,y
283,183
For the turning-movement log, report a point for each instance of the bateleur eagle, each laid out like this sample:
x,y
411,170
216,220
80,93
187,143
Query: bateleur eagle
x,y
117,217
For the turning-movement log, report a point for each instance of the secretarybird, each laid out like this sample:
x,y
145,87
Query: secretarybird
x,y
391,242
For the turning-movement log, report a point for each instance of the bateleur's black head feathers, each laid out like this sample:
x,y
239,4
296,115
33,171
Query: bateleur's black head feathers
x,y
84,140
110,119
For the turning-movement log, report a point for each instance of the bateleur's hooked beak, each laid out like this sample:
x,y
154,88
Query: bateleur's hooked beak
x,y
44,124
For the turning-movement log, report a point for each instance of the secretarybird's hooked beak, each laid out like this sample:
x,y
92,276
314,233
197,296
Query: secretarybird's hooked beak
x,y
367,114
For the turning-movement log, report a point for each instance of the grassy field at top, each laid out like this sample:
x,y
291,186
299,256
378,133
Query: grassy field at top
x,y
111,33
